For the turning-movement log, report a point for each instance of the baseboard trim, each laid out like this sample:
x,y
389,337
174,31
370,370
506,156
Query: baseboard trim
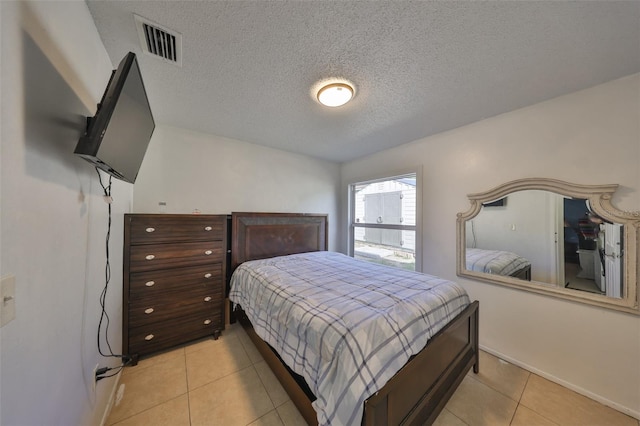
x,y
112,398
625,410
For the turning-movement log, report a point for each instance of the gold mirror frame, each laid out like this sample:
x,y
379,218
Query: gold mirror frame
x,y
599,197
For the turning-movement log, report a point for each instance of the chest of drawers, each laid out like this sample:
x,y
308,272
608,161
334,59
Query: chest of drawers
x,y
173,280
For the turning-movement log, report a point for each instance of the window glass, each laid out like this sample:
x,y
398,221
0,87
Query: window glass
x,y
384,221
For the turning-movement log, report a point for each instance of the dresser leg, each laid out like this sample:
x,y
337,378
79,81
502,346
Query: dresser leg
x,y
134,360
216,334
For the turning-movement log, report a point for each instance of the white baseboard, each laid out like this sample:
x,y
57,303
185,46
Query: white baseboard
x,y
112,398
625,410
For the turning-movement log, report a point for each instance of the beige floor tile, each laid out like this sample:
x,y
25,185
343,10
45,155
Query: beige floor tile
x,y
566,407
174,412
215,359
290,415
233,329
237,399
527,417
270,419
156,359
229,331
146,388
205,343
477,404
502,376
447,419
254,354
275,390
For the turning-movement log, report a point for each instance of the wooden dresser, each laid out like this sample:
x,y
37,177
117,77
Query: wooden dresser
x,y
174,280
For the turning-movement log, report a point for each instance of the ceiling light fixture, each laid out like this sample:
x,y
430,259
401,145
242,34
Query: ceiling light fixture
x,y
335,94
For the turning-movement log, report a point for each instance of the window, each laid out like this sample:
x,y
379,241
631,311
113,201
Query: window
x,y
383,218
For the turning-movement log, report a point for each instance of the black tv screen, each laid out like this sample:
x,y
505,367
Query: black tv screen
x,y
118,135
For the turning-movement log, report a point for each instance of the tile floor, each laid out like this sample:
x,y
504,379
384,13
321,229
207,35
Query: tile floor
x,y
226,382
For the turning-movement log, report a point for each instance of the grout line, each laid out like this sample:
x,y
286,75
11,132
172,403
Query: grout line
x,y
144,372
186,378
278,414
451,412
513,416
524,388
264,385
219,378
529,408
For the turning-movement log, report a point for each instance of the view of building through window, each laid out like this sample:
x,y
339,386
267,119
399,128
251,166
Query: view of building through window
x,y
383,221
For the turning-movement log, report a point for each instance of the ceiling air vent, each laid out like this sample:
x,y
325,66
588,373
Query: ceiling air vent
x,y
159,41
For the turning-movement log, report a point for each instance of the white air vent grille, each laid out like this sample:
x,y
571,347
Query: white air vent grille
x,y
158,41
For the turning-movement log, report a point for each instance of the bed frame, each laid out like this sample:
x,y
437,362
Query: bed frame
x,y
417,393
523,274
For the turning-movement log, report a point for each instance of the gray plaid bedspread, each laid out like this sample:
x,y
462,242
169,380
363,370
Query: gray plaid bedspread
x,y
345,325
494,261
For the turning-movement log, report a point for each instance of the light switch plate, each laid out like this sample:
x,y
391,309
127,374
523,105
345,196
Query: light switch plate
x,y
7,299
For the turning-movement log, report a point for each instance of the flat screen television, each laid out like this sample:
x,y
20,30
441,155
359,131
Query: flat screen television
x,y
117,137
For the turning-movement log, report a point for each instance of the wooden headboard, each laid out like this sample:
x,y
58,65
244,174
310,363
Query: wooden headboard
x,y
263,235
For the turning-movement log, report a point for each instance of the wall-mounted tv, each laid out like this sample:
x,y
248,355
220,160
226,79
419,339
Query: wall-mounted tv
x,y
498,203
117,137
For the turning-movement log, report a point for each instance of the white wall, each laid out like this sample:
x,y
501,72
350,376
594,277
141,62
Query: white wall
x,y
190,170
588,137
53,218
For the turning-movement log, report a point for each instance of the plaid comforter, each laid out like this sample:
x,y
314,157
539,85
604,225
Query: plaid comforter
x,y
494,261
345,325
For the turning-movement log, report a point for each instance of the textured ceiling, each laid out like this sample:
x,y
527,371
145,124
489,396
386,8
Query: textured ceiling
x,y
419,68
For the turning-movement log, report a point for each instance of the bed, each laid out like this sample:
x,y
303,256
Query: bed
x,y
404,391
498,262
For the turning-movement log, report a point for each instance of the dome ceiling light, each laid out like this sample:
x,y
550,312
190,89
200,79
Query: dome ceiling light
x,y
335,94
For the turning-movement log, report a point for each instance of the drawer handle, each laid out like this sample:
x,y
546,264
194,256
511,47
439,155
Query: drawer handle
x,y
208,275
208,252
150,257
148,311
149,337
150,229
208,228
207,299
207,322
150,283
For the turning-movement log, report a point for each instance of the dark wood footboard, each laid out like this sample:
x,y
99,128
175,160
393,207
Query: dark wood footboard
x,y
523,274
417,393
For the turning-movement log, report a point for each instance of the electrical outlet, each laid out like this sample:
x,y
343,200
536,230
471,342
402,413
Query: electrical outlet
x,y
94,379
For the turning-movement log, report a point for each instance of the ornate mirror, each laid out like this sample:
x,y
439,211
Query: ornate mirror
x,y
552,237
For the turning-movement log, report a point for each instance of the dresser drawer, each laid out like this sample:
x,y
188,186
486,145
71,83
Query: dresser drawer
x,y
150,229
175,305
151,284
150,338
162,256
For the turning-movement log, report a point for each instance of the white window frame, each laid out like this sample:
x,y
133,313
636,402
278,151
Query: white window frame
x,y
352,225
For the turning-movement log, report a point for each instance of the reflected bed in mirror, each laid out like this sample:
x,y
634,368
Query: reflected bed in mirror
x,y
555,238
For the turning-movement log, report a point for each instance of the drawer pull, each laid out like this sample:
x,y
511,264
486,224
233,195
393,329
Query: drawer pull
x,y
150,229
208,275
150,283
207,322
148,337
148,311
208,252
208,228
150,257
207,299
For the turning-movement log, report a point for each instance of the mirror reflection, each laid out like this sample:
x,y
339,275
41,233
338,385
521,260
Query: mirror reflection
x,y
545,237
552,237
